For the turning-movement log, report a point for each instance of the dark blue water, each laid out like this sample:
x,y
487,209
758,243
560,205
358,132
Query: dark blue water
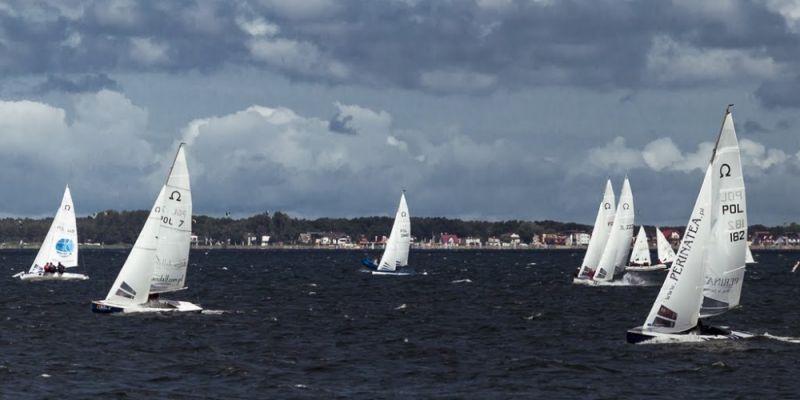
x,y
307,324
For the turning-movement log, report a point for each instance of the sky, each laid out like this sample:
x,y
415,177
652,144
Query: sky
x,y
479,109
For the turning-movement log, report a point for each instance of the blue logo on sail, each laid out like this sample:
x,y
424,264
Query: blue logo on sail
x,y
65,247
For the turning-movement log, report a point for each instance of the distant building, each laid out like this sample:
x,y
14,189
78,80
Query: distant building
x,y
449,240
493,242
472,242
264,240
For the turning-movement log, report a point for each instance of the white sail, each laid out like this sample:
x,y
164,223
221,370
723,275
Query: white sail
x,y
600,233
641,250
665,252
175,230
60,245
748,256
725,262
132,285
396,252
615,254
677,306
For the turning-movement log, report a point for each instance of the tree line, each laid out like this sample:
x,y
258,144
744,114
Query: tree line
x,y
122,227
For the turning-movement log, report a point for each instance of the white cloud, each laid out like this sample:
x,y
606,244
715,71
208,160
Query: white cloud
x,y
615,156
662,154
669,61
257,27
301,58
147,51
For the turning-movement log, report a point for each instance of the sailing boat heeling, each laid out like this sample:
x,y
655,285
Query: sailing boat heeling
x,y
174,230
641,250
615,253
665,252
396,252
677,306
60,245
725,262
600,232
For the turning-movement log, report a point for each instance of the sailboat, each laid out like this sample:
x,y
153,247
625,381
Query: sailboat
x,y
597,242
60,246
706,277
665,253
158,261
396,252
748,257
640,256
615,254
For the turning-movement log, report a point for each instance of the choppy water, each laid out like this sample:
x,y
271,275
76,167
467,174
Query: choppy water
x,y
306,324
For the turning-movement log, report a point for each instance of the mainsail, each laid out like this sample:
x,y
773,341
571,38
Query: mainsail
x,y
725,260
60,245
175,230
396,252
641,250
602,227
616,250
665,252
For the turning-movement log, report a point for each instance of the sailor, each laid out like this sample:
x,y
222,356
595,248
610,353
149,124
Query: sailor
x,y
591,274
48,268
60,268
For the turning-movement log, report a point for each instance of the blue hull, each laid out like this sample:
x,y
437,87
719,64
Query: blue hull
x,y
369,264
104,309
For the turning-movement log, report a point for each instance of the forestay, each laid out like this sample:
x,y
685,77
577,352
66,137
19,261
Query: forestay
x,y
615,254
174,230
396,252
725,261
665,252
677,306
641,250
600,233
60,245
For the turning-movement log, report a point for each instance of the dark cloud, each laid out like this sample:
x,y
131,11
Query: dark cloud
x,y
436,47
82,84
340,123
753,127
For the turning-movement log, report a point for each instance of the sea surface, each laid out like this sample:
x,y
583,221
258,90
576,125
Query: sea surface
x,y
310,325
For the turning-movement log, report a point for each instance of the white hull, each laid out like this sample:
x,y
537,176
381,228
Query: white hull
x,y
66,276
390,273
155,306
583,281
637,335
646,268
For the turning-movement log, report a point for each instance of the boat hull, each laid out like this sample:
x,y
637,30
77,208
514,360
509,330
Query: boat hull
x,y
638,335
583,281
398,273
155,306
646,268
66,276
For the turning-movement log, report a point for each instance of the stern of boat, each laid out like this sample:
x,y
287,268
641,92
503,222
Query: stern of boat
x,y
100,307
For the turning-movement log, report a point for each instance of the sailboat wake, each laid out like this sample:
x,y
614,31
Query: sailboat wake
x,y
786,339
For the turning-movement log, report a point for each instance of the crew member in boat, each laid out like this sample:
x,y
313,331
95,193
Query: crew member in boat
x,y
49,268
60,268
